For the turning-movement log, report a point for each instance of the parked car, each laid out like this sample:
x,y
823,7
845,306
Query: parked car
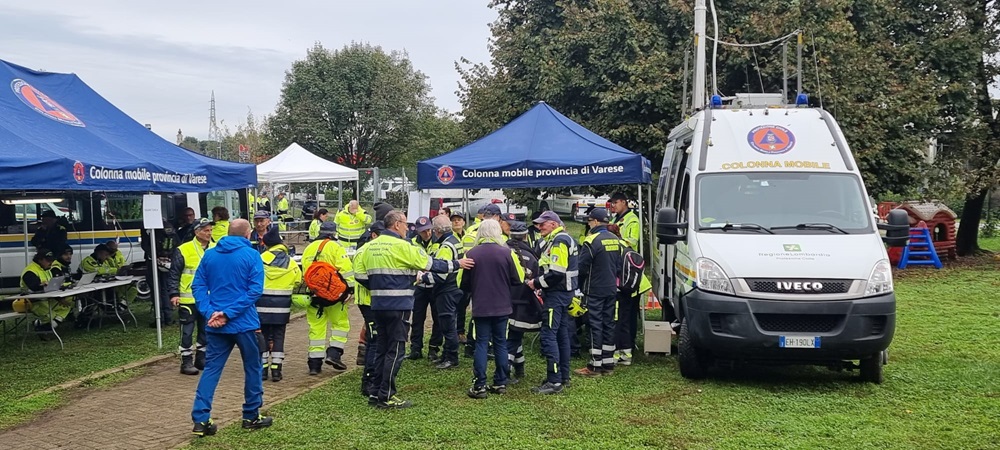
x,y
575,205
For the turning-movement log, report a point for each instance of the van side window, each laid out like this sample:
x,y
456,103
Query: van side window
x,y
682,198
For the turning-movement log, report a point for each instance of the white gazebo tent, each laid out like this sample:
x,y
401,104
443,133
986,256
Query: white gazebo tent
x,y
297,165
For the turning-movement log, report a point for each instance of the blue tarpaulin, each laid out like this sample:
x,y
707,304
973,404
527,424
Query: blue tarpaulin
x,y
56,133
541,148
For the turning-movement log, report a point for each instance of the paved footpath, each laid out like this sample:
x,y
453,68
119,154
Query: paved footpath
x,y
154,410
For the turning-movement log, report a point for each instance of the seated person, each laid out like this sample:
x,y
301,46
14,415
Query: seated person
x,y
99,262
50,312
61,266
117,258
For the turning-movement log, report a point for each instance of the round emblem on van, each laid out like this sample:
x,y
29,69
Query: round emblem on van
x,y
771,139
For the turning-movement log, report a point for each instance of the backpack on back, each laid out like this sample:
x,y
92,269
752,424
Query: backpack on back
x,y
325,281
631,276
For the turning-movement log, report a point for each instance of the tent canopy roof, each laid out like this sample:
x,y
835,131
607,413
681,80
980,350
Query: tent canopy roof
x,y
297,165
56,133
540,148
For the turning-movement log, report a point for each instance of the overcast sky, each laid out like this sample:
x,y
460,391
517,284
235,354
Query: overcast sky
x,y
160,61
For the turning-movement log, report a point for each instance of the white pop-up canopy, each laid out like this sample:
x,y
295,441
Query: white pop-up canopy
x,y
297,165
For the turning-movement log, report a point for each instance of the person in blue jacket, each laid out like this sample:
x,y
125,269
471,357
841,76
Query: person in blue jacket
x,y
226,287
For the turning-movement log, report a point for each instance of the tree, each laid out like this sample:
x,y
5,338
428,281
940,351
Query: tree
x,y
356,106
191,143
252,135
434,134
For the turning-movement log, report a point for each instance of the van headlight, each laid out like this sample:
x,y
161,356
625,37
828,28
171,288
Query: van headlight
x,y
711,277
880,281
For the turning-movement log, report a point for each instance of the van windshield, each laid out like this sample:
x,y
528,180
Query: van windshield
x,y
784,203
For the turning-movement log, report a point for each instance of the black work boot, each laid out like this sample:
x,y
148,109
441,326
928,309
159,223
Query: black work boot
x,y
276,372
415,355
199,360
433,354
315,366
264,373
333,359
362,350
187,367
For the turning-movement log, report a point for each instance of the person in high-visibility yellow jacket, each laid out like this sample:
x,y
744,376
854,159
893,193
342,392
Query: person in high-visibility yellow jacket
x,y
251,203
363,298
220,226
335,318
626,219
318,219
283,210
101,263
117,258
281,277
183,265
50,312
351,224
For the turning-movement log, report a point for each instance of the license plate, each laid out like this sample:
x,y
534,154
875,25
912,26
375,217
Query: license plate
x,y
798,341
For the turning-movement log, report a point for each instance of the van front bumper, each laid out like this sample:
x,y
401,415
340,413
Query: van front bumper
x,y
738,328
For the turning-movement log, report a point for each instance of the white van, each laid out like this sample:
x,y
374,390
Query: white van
x,y
768,249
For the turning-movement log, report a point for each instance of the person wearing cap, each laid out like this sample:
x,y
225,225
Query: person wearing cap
x,y
423,297
98,262
261,225
626,219
351,224
281,277
318,218
50,312
527,311
600,265
62,265
332,320
389,270
558,281
185,263
51,235
220,223
117,258
446,296
458,225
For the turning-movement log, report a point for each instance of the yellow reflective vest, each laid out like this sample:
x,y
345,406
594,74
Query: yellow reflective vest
x,y
42,274
219,230
192,253
350,227
281,275
92,265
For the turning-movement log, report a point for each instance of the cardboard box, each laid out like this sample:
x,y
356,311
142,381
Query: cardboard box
x,y
657,337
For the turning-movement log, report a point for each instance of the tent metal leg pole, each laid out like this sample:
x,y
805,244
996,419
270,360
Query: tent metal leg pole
x,y
24,219
340,195
639,189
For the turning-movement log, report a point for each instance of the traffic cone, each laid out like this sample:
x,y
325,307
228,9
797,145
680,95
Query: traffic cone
x,y
652,302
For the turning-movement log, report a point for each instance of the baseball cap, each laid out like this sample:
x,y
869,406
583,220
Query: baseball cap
x,y
618,196
423,224
546,216
508,217
455,214
202,223
327,228
49,256
377,227
482,209
518,227
262,215
599,214
491,209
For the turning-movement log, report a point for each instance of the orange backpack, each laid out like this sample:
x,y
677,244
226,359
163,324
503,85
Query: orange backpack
x,y
325,281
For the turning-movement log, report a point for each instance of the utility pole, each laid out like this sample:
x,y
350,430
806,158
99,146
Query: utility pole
x,y
698,89
213,127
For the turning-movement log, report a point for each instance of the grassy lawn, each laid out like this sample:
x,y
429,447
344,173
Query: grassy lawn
x,y
942,390
42,364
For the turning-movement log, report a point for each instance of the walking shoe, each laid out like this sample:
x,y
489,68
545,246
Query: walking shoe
x,y
202,429
617,355
587,372
477,392
276,373
548,388
447,365
513,379
394,402
498,389
414,356
264,375
625,359
199,360
337,364
362,350
187,368
433,355
372,400
258,423
315,366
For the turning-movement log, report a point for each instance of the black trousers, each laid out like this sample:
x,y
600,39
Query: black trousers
x,y
601,311
166,309
447,305
190,320
460,314
625,327
371,348
391,330
423,298
274,343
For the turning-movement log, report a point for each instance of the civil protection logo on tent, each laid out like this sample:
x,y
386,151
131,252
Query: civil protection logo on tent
x,y
771,139
78,172
446,174
42,103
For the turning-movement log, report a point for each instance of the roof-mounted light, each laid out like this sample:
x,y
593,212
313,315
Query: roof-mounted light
x,y
802,99
716,101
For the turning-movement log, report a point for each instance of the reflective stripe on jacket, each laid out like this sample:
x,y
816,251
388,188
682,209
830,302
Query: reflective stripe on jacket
x,y
191,254
388,268
559,263
281,276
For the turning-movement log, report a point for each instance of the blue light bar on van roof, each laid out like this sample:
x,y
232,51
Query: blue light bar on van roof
x,y
802,99
716,101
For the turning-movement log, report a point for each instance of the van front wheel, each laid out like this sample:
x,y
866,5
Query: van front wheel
x,y
692,364
871,369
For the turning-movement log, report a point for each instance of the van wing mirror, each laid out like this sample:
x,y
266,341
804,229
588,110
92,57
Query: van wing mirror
x,y
897,230
668,230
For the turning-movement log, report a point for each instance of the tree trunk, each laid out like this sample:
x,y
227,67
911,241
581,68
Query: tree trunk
x,y
967,239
